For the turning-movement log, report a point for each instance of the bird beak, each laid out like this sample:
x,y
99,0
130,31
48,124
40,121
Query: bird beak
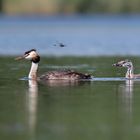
x,y
114,65
117,65
20,57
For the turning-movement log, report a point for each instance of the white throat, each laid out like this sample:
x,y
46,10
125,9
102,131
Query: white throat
x,y
33,71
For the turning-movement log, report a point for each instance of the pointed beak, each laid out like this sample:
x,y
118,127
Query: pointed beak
x,y
20,57
117,65
114,65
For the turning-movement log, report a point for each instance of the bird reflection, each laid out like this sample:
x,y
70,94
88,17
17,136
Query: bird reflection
x,y
31,99
58,83
127,97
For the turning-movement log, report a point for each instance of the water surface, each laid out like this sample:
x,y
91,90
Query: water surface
x,y
83,35
103,108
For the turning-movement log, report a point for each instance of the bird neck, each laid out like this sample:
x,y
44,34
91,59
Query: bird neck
x,y
33,71
129,73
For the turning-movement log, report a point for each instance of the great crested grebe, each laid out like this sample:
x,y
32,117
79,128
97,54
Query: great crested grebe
x,y
127,64
33,56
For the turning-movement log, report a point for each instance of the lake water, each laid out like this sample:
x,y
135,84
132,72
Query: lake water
x,y
105,107
82,35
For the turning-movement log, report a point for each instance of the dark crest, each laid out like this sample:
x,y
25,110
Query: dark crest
x,y
29,51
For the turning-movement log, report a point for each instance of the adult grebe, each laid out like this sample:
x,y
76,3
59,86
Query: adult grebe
x,y
127,64
52,75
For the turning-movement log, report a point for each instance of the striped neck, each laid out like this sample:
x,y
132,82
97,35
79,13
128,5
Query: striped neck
x,y
129,73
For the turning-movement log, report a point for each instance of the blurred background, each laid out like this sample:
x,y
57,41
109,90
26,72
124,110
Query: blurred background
x,y
69,6
85,27
87,36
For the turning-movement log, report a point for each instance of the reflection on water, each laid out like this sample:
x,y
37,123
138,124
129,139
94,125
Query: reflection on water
x,y
126,107
126,95
102,108
60,83
31,104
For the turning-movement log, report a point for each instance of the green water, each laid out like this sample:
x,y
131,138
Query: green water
x,y
87,110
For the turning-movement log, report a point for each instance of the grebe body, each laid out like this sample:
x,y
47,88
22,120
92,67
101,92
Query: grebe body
x,y
64,74
130,69
33,56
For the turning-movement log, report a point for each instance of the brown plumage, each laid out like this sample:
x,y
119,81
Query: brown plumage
x,y
52,75
65,74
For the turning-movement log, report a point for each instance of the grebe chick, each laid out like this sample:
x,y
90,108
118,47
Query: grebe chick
x,y
33,56
127,64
